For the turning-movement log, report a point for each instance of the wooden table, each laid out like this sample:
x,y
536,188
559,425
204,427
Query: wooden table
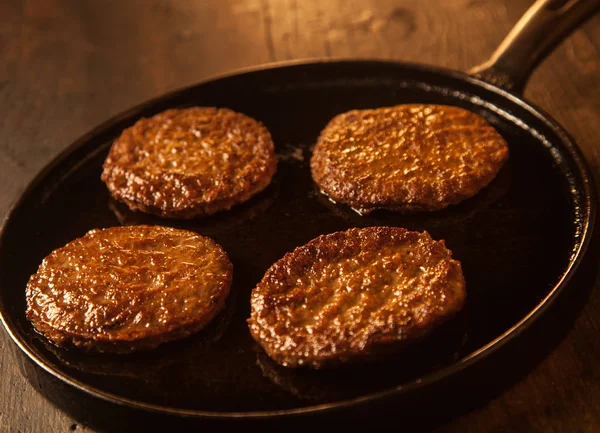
x,y
69,64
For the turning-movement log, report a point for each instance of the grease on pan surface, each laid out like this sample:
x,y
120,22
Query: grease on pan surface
x,y
126,288
406,158
354,295
184,163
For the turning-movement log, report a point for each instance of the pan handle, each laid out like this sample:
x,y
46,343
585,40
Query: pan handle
x,y
537,33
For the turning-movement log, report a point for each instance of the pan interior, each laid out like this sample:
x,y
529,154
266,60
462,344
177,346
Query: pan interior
x,y
515,239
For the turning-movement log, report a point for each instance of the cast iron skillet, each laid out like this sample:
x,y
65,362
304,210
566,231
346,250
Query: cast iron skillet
x,y
520,241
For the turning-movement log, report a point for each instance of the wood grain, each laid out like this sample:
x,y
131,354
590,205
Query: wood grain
x,y
68,65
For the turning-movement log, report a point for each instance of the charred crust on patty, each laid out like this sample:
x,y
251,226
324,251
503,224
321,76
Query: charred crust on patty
x,y
353,295
129,288
185,163
406,158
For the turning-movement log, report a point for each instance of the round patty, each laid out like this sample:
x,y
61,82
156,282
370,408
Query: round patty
x,y
184,163
354,294
126,288
407,157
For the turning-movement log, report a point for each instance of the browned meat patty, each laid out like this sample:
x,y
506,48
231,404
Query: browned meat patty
x,y
354,294
184,163
126,288
407,157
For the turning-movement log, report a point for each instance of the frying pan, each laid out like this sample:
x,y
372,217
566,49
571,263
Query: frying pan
x,y
520,241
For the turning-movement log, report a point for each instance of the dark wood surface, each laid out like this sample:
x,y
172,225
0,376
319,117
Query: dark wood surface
x,y
68,65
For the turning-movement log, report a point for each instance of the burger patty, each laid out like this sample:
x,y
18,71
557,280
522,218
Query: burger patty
x,y
407,157
353,295
184,163
126,288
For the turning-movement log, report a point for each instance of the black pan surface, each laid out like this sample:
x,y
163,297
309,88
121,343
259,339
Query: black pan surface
x,y
519,241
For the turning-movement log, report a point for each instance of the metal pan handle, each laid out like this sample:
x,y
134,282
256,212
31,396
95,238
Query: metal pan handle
x,y
537,33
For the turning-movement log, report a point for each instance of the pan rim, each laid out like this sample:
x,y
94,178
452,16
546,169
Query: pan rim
x,y
589,203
